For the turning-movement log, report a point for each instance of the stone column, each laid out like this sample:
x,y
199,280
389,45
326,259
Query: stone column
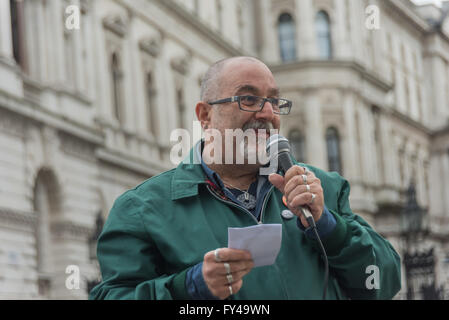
x,y
398,144
88,43
6,49
57,38
438,92
436,192
444,182
131,63
41,35
270,41
305,24
358,42
388,152
341,36
315,138
388,160
421,179
368,162
100,63
78,52
350,151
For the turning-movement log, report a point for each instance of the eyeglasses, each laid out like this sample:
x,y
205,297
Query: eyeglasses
x,y
256,104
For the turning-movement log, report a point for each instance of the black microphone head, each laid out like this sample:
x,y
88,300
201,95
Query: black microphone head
x,y
277,144
278,151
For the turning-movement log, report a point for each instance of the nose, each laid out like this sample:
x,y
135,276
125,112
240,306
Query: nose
x,y
267,112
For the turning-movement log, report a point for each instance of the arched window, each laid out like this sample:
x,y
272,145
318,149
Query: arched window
x,y
117,87
287,37
333,150
297,144
323,31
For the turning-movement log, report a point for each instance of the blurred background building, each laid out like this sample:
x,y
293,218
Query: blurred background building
x,y
86,113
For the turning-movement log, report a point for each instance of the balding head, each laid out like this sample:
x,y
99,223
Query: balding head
x,y
210,85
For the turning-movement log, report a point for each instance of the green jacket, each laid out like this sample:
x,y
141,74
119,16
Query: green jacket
x,y
158,230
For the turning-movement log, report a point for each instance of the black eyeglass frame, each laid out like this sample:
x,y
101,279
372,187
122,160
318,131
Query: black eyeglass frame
x,y
262,104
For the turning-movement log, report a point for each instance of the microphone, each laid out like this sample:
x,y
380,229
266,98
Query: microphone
x,y
279,147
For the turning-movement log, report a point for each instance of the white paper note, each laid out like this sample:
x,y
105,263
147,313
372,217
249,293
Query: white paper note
x,y
263,241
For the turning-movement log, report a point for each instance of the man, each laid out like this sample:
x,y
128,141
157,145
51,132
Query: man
x,y
167,238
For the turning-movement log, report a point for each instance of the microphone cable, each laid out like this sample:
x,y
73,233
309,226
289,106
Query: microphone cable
x,y
323,251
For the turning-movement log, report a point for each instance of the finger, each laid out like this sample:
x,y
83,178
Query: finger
x,y
310,174
245,265
227,254
224,292
223,280
301,190
278,181
299,181
292,184
303,199
294,171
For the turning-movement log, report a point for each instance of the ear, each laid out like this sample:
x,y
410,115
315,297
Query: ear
x,y
203,113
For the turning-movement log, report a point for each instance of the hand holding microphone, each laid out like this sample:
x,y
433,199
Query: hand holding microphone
x,y
301,188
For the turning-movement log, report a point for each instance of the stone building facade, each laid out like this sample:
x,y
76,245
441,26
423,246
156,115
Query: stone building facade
x,y
87,111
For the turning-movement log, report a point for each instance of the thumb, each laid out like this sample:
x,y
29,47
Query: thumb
x,y
278,181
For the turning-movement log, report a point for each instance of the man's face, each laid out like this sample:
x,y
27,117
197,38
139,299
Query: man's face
x,y
239,78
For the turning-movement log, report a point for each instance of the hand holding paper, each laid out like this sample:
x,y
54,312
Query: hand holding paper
x,y
263,241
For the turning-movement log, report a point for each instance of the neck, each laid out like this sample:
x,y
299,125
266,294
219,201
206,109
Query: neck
x,y
238,175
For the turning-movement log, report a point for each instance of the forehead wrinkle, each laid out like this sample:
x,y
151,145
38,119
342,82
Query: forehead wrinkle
x,y
247,87
254,90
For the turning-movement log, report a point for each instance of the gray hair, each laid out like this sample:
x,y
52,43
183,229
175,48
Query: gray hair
x,y
210,83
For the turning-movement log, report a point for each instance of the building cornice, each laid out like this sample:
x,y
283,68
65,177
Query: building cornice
x,y
189,19
413,123
146,168
336,64
33,111
194,22
411,16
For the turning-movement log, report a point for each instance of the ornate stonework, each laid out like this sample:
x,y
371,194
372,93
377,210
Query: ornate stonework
x,y
75,143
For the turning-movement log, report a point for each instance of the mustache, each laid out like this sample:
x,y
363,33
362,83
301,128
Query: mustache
x,y
258,125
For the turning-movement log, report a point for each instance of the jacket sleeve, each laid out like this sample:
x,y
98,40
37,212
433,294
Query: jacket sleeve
x,y
130,263
365,264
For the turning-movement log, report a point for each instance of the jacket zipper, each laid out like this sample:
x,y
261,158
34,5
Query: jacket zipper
x,y
265,202
233,204
258,222
245,210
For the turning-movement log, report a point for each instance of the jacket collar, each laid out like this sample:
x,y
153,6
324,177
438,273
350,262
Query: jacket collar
x,y
188,175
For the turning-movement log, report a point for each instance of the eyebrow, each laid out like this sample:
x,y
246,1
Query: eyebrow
x,y
254,90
